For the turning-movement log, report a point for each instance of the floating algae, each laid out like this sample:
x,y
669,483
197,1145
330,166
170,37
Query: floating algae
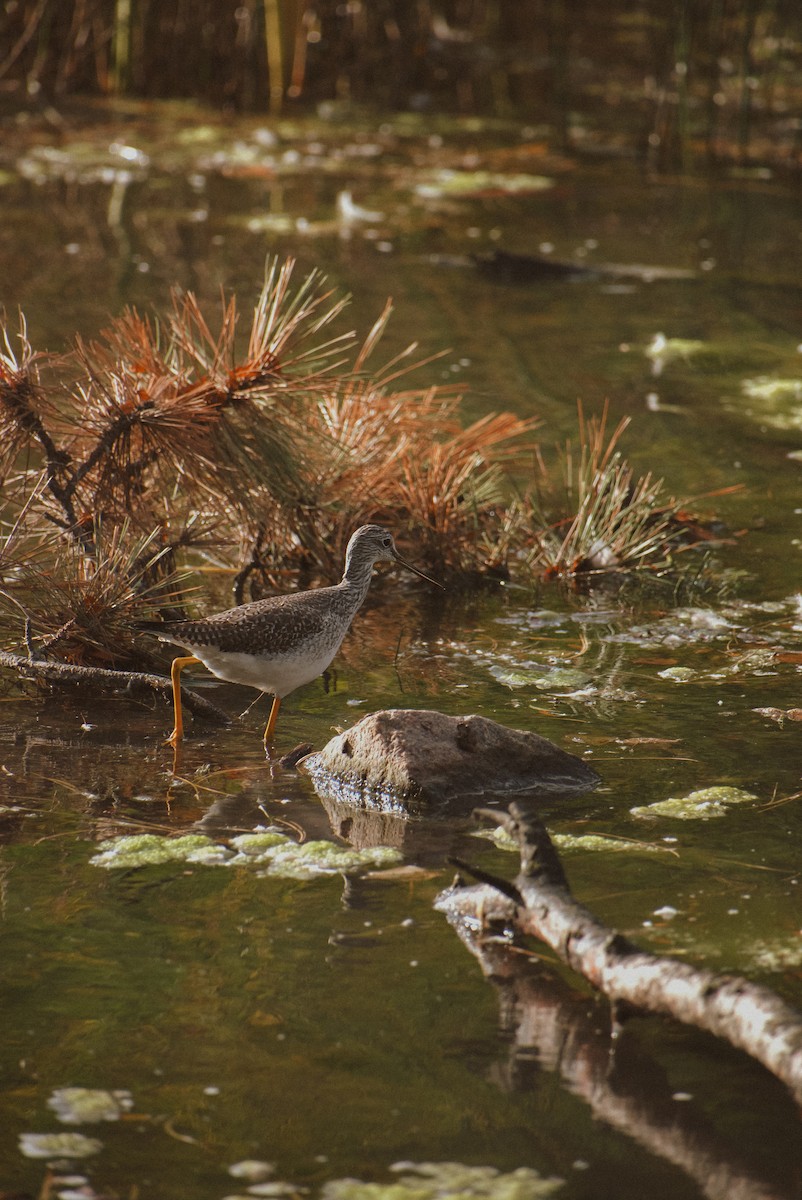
x,y
311,859
701,805
270,849
87,1106
544,678
435,1181
58,1145
599,842
679,674
447,182
149,849
254,847
596,842
253,1170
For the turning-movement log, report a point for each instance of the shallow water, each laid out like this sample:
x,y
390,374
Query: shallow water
x,y
335,1030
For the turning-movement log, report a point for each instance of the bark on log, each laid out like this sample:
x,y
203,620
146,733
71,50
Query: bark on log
x,y
133,681
539,903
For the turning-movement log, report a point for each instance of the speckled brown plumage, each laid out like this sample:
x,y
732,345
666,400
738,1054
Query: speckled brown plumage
x,y
269,627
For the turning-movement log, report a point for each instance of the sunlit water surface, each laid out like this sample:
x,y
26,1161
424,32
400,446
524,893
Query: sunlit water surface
x,y
332,1029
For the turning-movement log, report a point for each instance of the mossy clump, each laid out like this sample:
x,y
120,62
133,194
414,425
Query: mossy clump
x,y
149,850
311,859
270,849
544,678
457,1181
596,842
702,805
679,674
87,1106
58,1145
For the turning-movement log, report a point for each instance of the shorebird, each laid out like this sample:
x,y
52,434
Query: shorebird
x,y
282,642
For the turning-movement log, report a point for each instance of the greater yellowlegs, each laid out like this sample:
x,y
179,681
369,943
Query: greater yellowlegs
x,y
282,642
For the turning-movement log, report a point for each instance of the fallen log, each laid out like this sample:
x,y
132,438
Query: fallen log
x,y
539,903
546,1024
130,681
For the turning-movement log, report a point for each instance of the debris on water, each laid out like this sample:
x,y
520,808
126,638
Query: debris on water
x,y
72,1187
349,212
597,842
780,715
682,626
767,388
270,849
544,678
701,805
431,1181
255,846
447,182
276,1188
149,849
600,842
253,1170
498,836
87,1106
773,401
781,954
678,674
762,661
663,350
309,859
58,1145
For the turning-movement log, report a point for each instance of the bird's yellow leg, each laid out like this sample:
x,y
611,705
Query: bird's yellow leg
x,y
175,678
271,720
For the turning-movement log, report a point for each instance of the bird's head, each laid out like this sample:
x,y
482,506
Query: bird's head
x,y
373,543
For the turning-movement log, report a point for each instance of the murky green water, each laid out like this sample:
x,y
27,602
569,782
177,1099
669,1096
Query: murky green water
x,y
334,1031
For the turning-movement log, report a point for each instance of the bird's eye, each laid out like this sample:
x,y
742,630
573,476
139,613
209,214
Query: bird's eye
x,y
388,541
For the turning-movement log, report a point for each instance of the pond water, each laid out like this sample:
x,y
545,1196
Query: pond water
x,y
334,1029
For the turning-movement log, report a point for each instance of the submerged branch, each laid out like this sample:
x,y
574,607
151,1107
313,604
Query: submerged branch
x,y
132,681
747,1015
547,1025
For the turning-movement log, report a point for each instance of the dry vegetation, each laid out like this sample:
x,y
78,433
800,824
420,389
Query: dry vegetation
x,y
617,520
164,452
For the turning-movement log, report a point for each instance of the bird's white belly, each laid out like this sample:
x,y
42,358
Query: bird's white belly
x,y
280,676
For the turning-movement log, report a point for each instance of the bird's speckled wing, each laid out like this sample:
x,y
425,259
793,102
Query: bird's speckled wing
x,y
269,626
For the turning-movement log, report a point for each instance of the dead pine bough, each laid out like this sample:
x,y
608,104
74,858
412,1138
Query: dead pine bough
x,y
169,451
539,903
172,457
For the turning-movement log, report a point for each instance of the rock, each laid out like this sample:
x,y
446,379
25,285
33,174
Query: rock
x,y
400,760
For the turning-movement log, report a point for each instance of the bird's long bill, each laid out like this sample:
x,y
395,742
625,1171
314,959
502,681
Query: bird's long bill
x,y
403,563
